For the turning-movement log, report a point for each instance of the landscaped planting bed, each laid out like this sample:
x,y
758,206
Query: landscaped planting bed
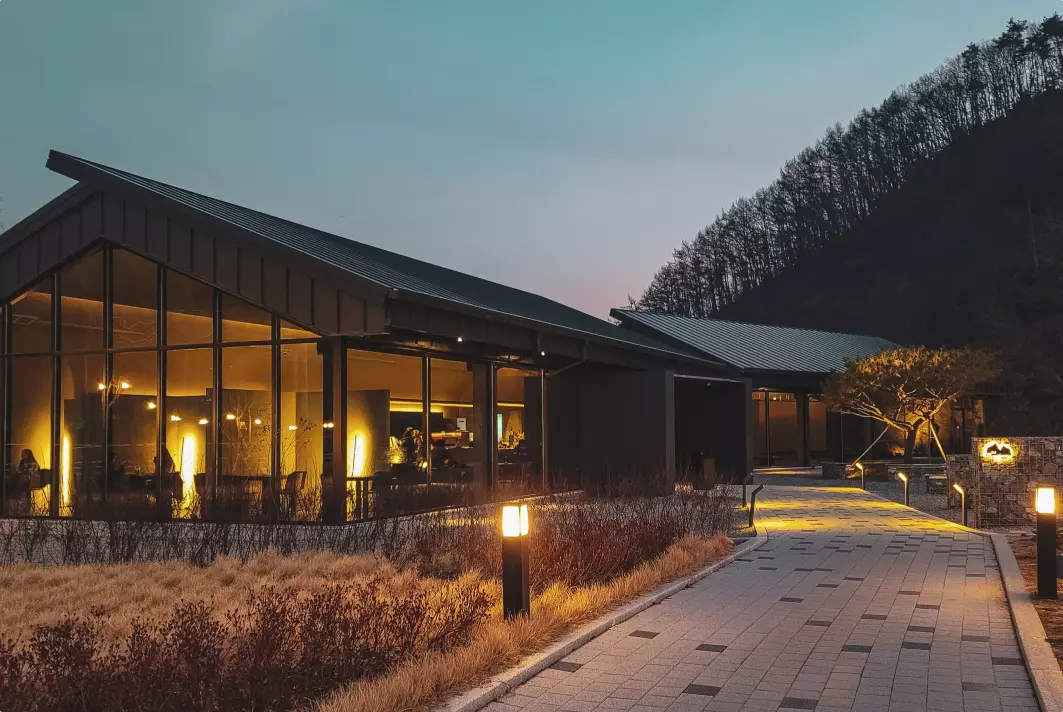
x,y
400,626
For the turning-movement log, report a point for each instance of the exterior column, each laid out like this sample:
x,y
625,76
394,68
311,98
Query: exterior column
x,y
751,427
802,429
336,412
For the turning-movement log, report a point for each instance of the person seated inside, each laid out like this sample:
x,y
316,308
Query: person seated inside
x,y
116,473
27,474
411,446
167,472
440,455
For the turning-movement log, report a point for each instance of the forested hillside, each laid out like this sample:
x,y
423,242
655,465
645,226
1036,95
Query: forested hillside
x,y
936,218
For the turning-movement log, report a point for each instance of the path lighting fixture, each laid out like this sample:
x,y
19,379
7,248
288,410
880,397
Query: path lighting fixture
x,y
860,467
753,503
516,582
904,478
963,500
1045,505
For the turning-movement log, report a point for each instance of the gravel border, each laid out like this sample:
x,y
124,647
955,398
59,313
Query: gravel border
x,y
500,684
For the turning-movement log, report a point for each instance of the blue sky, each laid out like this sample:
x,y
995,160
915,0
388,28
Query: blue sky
x,y
563,147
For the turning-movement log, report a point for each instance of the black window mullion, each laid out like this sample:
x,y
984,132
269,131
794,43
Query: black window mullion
x,y
108,365
5,408
57,397
216,416
164,506
275,415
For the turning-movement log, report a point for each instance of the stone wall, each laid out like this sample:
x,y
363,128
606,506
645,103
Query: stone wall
x,y
1001,475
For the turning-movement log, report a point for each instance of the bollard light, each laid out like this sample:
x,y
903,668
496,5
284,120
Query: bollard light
x,y
963,500
1045,505
904,478
516,582
860,467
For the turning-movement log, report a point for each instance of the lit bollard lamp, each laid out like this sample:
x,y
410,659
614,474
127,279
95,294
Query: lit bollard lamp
x,y
516,582
963,500
904,478
860,467
753,503
1045,504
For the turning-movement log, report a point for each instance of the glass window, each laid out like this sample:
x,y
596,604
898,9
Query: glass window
x,y
81,307
189,311
84,390
135,295
186,467
518,425
134,425
301,431
247,409
241,321
31,320
291,331
782,424
459,394
385,415
817,428
29,446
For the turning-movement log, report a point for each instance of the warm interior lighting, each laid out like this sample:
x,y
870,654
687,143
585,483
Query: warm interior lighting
x,y
101,386
357,455
515,520
293,427
203,421
188,470
66,481
1045,502
151,405
258,421
902,477
175,418
125,385
230,416
329,425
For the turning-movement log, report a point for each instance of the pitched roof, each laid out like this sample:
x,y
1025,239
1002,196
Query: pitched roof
x,y
403,275
759,347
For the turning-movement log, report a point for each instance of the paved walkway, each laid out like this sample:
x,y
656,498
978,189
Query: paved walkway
x,y
854,603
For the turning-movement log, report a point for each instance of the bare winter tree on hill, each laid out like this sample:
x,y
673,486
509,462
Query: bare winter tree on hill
x,y
832,186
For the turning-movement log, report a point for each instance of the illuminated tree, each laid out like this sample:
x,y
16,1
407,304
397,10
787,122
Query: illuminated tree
x,y
905,388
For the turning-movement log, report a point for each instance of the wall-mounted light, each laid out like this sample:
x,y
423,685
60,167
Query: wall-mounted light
x,y
230,416
175,418
542,353
516,582
151,405
1045,505
203,421
101,386
460,339
258,421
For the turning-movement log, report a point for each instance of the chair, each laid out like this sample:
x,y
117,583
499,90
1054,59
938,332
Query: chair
x,y
289,494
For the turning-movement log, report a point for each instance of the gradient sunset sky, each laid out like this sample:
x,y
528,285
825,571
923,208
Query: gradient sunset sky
x,y
560,147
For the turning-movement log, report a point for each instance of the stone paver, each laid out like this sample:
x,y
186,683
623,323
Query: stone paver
x,y
853,604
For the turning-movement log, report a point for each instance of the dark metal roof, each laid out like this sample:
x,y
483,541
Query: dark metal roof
x,y
759,347
404,276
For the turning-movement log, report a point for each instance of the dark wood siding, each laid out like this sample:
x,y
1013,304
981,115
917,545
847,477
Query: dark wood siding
x,y
219,259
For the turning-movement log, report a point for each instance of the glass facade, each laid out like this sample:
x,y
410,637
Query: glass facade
x,y
126,383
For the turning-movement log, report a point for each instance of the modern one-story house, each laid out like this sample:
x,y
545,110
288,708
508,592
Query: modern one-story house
x,y
165,348
786,368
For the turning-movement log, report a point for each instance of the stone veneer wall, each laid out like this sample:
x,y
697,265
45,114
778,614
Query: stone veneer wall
x,y
1001,494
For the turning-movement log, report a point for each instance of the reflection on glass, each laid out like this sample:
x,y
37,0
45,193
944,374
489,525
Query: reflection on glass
x,y
134,426
246,428
189,311
518,424
81,306
241,321
459,393
135,295
81,463
817,428
301,431
185,467
29,446
384,415
31,320
291,331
